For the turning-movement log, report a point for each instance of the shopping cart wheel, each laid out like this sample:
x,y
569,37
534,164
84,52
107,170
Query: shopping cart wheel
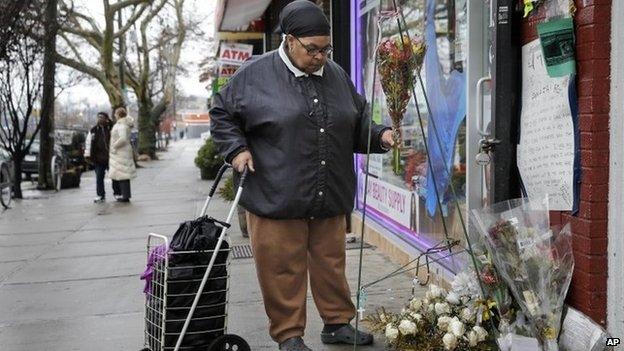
x,y
229,342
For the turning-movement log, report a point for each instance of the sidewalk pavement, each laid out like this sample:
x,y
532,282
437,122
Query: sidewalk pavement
x,y
69,268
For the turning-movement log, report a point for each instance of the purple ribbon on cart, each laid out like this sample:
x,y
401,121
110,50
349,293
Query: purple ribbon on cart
x,y
156,255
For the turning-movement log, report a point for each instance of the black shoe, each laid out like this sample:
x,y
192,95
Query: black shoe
x,y
294,344
121,199
346,335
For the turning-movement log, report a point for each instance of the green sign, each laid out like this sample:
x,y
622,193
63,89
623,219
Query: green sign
x,y
557,39
218,83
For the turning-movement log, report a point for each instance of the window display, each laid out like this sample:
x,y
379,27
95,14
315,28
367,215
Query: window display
x,y
402,196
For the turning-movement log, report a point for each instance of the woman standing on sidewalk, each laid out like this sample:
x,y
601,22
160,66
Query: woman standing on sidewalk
x,y
121,162
294,118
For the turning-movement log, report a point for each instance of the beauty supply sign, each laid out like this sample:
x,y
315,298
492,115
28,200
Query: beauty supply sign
x,y
386,198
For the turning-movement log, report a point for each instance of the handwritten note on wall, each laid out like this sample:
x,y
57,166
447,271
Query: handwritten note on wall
x,y
546,150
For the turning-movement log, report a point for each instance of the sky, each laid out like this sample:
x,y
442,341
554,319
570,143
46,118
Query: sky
x,y
192,53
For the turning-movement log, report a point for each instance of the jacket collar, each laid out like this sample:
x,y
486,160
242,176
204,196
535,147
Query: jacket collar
x,y
296,71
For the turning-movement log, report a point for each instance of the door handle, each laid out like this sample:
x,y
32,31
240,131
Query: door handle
x,y
479,122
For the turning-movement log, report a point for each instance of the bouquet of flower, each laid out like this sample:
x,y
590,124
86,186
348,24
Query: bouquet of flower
x,y
494,287
535,261
440,321
398,58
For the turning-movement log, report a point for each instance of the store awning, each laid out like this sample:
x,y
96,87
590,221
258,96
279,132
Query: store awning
x,y
235,15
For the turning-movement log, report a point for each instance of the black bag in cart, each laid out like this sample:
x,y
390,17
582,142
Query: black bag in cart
x,y
190,252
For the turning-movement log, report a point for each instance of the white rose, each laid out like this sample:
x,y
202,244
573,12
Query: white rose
x,y
425,301
442,308
443,322
391,332
467,315
416,316
435,292
450,341
456,327
472,338
415,304
431,307
482,334
453,298
407,327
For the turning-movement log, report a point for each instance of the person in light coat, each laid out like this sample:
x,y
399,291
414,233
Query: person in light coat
x,y
121,160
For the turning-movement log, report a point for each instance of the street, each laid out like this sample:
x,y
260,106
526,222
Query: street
x,y
69,268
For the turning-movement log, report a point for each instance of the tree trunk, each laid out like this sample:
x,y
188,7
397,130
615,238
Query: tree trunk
x,y
17,184
147,131
46,150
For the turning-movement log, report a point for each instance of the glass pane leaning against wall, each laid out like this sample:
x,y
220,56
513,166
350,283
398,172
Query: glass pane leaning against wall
x,y
403,200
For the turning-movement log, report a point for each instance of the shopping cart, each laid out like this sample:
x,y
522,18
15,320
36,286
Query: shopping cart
x,y
187,296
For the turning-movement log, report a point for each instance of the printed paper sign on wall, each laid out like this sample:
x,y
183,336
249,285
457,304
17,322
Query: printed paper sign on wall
x,y
234,54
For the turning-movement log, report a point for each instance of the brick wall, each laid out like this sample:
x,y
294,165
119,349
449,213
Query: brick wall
x,y
592,22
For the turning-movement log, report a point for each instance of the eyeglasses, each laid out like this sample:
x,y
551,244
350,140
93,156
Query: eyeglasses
x,y
313,51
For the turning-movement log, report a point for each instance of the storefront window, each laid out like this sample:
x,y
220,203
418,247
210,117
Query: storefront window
x,y
405,201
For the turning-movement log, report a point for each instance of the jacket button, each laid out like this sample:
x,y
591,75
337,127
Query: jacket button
x,y
322,130
320,193
315,101
323,163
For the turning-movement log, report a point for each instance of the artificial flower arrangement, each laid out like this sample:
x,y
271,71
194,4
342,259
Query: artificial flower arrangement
x,y
440,321
398,59
523,268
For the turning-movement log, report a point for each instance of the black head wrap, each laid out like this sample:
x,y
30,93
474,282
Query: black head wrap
x,y
302,18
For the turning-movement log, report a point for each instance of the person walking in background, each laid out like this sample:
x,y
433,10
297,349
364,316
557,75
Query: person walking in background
x,y
293,117
121,163
99,152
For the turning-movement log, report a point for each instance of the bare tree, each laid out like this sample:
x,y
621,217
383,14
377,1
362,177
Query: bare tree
x,y
153,75
11,20
91,49
20,86
46,145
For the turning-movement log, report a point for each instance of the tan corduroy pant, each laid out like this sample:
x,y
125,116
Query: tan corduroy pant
x,y
285,251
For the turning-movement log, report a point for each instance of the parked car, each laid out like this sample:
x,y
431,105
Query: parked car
x,y
64,174
7,177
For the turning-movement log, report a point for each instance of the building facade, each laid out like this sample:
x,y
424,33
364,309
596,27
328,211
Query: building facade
x,y
477,57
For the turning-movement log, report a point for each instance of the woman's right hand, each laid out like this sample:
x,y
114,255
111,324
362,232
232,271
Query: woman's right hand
x,y
241,160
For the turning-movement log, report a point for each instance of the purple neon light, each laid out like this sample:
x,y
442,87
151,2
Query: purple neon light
x,y
414,239
352,17
358,48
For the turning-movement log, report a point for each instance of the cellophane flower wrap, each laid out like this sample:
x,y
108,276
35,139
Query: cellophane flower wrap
x,y
494,286
535,261
398,58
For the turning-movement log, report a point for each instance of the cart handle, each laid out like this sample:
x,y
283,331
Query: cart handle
x,y
215,185
222,170
218,178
